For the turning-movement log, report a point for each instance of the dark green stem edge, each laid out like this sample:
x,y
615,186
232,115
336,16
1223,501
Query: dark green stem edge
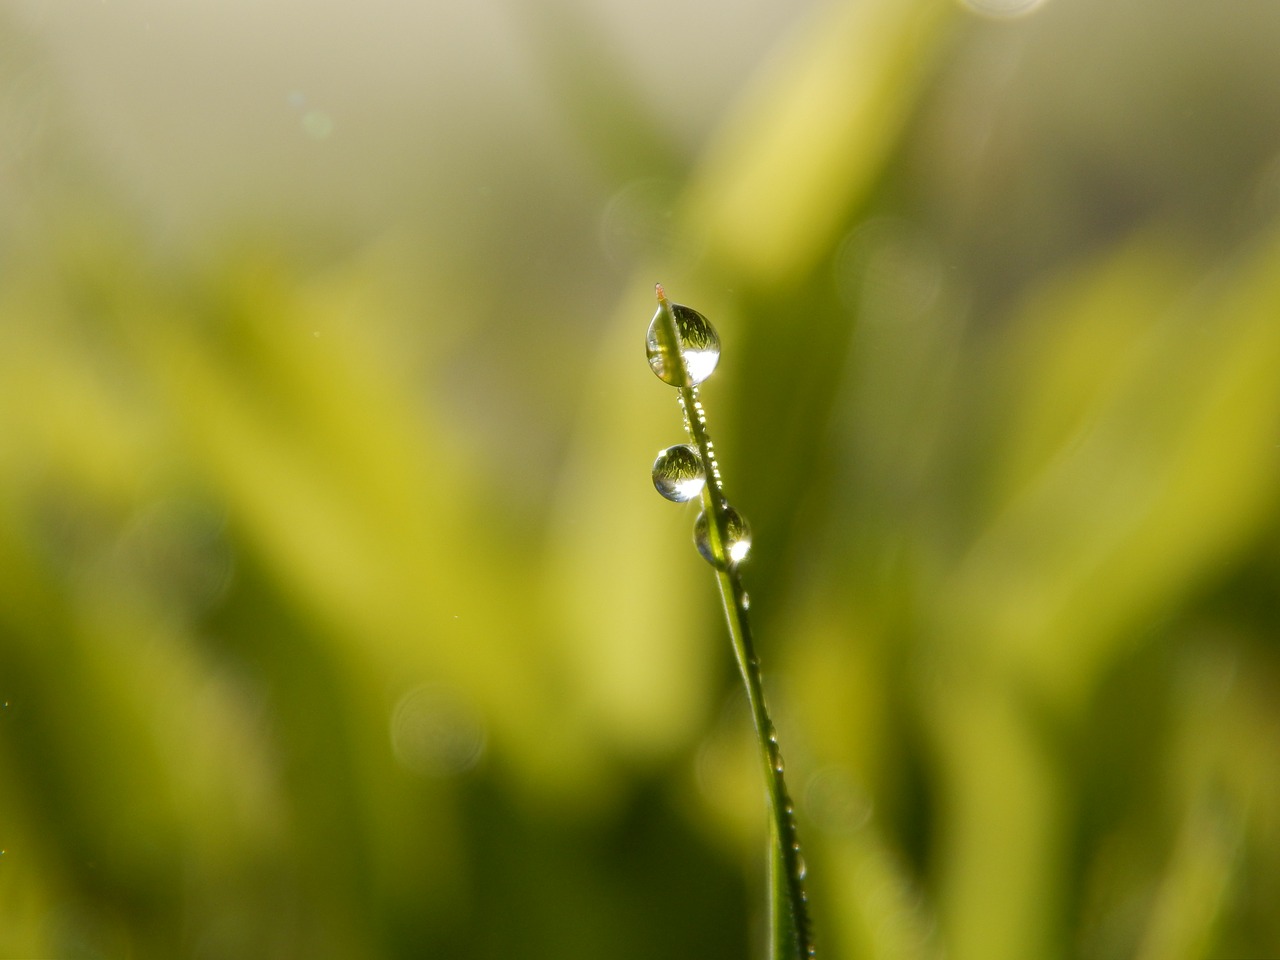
x,y
791,933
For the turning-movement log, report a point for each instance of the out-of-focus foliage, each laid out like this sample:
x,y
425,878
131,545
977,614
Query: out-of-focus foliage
x,y
338,617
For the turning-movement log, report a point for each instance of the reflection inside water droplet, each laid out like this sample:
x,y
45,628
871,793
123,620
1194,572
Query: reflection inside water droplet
x,y
699,346
737,543
678,474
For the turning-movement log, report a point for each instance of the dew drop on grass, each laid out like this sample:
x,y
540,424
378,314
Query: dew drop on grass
x,y
737,542
678,473
699,346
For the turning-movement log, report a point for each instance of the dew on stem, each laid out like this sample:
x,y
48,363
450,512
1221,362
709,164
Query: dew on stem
x,y
696,353
735,543
683,350
678,473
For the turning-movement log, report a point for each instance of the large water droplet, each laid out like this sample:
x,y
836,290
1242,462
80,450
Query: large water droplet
x,y
737,541
678,474
699,346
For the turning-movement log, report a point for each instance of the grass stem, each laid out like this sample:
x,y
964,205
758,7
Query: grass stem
x,y
790,929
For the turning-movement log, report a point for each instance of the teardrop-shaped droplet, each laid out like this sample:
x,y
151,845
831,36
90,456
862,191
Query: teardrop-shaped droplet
x,y
678,474
699,347
737,540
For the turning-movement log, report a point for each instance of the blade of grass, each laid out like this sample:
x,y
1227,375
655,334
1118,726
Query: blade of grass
x,y
790,930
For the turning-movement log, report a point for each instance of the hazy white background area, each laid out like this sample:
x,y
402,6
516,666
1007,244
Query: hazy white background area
x,y
376,109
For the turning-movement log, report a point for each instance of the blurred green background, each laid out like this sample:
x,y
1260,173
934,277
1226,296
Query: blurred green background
x,y
339,618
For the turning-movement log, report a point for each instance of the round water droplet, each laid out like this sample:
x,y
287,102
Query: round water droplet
x,y
737,542
678,474
699,346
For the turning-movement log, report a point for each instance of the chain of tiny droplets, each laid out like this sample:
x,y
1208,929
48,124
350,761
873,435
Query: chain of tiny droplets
x,y
791,840
702,422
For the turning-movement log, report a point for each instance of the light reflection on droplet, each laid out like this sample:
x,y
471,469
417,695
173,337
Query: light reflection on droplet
x,y
435,734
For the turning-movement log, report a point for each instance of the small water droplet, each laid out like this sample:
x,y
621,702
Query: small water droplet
x,y
678,473
737,540
699,346
746,601
778,765
802,869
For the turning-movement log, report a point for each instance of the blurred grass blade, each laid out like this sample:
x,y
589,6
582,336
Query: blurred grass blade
x,y
810,136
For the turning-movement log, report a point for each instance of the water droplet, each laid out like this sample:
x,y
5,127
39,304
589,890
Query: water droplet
x,y
699,346
678,474
746,601
802,869
778,765
737,541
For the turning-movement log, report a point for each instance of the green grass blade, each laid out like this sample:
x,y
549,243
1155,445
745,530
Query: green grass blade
x,y
790,929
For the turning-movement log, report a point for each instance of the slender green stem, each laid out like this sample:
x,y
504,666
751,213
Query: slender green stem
x,y
791,935
790,931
